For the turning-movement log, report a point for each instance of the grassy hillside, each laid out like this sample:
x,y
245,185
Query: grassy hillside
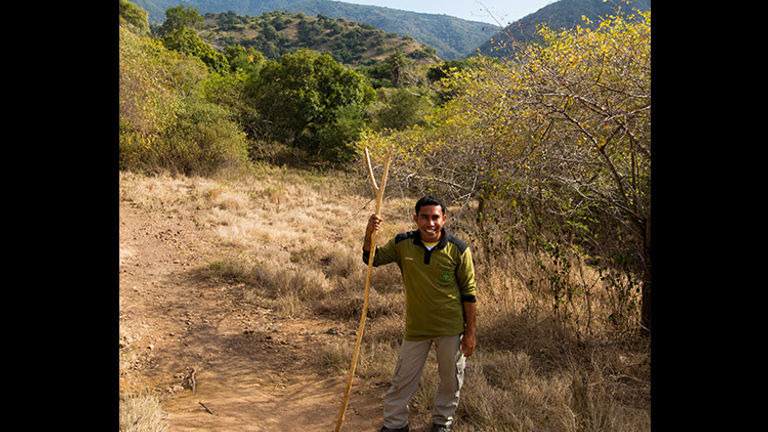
x,y
276,33
451,37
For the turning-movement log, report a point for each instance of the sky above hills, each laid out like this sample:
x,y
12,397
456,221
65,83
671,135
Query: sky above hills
x,y
491,11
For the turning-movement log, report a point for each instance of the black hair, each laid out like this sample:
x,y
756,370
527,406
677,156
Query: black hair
x,y
429,200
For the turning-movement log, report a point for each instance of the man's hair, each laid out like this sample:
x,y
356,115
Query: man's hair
x,y
428,201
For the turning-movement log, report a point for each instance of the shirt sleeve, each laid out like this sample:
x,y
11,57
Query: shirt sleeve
x,y
384,254
465,276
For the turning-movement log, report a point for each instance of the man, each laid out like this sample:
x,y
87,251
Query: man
x,y
439,278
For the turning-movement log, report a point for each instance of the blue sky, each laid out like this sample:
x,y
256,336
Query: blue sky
x,y
504,11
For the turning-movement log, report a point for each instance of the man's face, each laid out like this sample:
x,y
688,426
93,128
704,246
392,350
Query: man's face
x,y
430,221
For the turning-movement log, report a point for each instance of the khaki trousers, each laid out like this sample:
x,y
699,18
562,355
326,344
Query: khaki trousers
x,y
405,380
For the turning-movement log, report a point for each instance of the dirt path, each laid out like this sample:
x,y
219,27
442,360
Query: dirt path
x,y
252,369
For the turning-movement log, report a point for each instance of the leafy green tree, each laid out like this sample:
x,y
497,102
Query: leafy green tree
x,y
343,127
396,62
179,17
132,14
246,59
229,20
306,93
401,108
436,73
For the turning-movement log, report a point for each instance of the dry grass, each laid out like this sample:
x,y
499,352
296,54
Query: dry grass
x,y
142,413
293,239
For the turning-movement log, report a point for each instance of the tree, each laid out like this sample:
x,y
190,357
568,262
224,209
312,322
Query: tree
x,y
304,96
401,108
554,148
246,59
595,85
135,16
167,119
179,17
397,64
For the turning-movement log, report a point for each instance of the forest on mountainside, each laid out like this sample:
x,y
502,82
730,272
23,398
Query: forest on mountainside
x,y
452,38
276,33
297,107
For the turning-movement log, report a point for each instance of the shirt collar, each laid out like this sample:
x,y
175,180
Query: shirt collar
x,y
441,244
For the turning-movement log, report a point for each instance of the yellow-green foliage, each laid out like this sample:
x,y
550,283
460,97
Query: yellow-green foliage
x,y
165,121
134,16
567,124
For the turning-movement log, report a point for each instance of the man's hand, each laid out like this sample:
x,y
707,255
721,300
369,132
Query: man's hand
x,y
468,343
374,224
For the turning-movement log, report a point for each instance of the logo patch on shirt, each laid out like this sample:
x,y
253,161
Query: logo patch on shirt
x,y
446,276
408,258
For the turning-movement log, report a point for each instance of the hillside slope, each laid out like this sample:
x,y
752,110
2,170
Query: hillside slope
x,y
276,33
560,14
451,37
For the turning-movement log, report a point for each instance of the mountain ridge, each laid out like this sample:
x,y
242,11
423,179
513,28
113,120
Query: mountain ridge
x,y
452,37
560,14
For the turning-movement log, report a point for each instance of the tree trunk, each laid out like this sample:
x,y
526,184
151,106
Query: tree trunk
x,y
645,306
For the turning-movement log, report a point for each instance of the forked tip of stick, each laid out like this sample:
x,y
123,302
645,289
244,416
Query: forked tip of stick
x,y
370,170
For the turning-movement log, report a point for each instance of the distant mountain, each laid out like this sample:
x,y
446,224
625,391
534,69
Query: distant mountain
x,y
276,33
451,37
560,14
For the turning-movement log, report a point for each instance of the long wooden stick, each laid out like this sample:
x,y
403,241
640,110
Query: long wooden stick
x,y
379,195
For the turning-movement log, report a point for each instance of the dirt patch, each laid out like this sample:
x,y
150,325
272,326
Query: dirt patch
x,y
216,362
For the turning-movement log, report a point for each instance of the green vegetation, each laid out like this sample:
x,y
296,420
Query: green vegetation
x,y
551,152
562,14
451,37
166,121
544,162
132,15
277,33
191,107
311,101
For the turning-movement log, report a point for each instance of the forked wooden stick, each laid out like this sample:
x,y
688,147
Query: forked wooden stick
x,y
379,195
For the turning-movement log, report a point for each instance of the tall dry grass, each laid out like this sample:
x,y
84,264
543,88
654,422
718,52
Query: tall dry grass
x,y
292,241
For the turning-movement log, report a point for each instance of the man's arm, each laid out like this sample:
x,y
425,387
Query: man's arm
x,y
468,341
465,276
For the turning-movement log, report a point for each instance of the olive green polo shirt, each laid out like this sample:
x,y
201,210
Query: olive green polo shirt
x,y
436,282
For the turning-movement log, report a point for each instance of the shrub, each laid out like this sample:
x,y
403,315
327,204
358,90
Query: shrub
x,y
165,120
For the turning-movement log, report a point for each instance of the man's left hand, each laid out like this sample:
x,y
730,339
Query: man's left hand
x,y
468,343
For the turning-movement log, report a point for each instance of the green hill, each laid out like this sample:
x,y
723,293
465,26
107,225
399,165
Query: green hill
x,y
276,33
451,37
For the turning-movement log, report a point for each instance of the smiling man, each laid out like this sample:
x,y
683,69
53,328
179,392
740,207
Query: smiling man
x,y
439,278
